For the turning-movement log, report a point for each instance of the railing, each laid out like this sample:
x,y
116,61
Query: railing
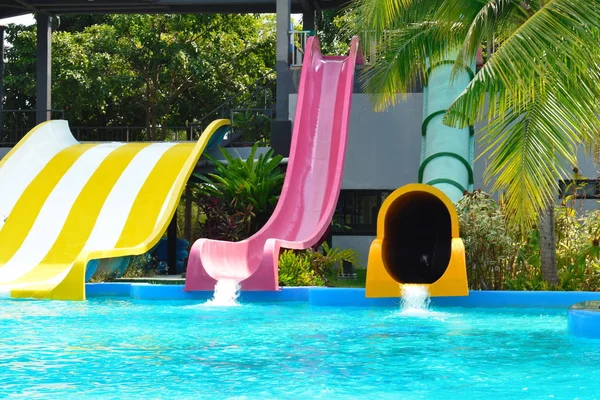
x,y
15,124
257,99
250,110
298,41
251,125
132,133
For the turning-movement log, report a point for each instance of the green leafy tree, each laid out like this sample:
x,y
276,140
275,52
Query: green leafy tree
x,y
538,89
142,70
78,22
333,32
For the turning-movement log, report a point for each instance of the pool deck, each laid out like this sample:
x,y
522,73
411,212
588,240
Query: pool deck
x,y
320,296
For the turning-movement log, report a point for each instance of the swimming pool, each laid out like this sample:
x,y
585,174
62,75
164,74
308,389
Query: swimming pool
x,y
112,348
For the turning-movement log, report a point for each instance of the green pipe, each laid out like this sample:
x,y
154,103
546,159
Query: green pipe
x,y
446,153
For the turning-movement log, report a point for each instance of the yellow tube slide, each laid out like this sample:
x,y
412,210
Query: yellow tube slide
x,y
417,243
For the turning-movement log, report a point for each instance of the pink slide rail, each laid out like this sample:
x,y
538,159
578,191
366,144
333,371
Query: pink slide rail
x,y
311,187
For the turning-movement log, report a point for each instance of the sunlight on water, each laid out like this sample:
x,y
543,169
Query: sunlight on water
x,y
226,294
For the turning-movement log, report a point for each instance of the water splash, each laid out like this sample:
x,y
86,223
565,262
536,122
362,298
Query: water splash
x,y
226,294
415,300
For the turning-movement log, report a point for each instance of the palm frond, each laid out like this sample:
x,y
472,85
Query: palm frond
x,y
529,151
485,24
381,15
403,58
548,48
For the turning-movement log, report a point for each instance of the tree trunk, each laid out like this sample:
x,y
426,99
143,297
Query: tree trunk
x,y
548,246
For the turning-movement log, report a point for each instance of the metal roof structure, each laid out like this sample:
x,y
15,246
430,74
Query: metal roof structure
x,y
12,8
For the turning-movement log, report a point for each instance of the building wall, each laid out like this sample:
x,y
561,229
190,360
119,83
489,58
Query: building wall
x,y
383,150
384,153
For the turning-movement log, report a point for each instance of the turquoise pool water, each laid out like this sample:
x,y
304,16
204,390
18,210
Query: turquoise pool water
x,y
107,348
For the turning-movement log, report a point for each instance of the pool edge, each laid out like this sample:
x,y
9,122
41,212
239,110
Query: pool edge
x,y
349,297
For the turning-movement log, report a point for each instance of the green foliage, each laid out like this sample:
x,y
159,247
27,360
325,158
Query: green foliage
x,y
538,89
490,248
499,257
295,269
78,22
332,31
142,70
253,126
250,187
311,267
103,276
140,266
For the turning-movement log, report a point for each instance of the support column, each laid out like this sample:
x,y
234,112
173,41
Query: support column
x,y
283,51
2,28
281,127
43,68
172,246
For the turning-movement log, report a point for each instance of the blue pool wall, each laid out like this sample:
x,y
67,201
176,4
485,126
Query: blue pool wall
x,y
319,296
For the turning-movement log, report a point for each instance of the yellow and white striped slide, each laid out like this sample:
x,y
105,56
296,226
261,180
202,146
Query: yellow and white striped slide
x,y
63,203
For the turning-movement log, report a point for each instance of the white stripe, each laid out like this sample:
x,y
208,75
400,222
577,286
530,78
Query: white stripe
x,y
29,160
117,207
54,213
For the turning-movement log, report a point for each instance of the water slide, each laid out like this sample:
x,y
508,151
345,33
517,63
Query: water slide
x,y
311,186
418,240
65,203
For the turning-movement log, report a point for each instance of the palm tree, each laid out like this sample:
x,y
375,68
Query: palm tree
x,y
539,87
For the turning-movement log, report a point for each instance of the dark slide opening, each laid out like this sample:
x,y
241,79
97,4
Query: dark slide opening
x,y
418,238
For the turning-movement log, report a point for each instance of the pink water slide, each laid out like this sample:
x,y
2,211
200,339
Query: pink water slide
x,y
311,187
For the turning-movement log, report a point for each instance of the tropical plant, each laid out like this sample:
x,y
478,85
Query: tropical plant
x,y
313,267
221,222
501,257
249,187
295,269
538,88
490,245
328,262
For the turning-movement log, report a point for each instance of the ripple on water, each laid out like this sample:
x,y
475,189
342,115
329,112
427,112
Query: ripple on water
x,y
106,348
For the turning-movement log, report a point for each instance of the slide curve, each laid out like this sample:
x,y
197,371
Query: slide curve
x,y
65,203
311,186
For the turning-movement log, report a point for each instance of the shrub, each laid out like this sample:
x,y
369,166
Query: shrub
x,y
295,269
312,267
490,246
221,222
249,187
501,258
140,266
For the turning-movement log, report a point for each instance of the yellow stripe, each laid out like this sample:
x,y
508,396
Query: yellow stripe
x,y
149,201
22,217
144,225
83,216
